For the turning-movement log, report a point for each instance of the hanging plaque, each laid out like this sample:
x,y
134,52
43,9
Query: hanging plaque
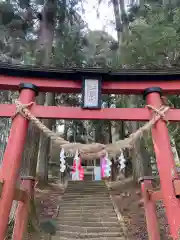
x,y
91,93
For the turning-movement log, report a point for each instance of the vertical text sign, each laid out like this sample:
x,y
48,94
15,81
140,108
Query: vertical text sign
x,y
91,93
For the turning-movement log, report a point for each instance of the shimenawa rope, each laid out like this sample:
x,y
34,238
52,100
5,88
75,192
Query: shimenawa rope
x,y
94,150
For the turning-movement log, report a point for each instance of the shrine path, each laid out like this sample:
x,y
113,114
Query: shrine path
x,y
87,212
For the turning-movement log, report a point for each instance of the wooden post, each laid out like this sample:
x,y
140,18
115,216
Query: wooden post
x,y
165,163
12,158
23,209
150,210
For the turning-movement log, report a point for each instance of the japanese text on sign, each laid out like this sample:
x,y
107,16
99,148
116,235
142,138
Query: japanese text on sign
x,y
91,93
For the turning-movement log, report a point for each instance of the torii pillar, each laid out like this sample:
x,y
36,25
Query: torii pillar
x,y
165,163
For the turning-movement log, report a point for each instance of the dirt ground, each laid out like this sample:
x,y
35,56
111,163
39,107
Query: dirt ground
x,y
127,197
47,198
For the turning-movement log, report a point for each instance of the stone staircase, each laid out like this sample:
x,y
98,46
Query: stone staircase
x,y
86,212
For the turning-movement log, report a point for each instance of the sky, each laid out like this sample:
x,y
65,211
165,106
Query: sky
x,y
105,19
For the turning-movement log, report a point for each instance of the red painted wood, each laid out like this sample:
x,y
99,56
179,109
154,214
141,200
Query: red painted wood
x,y
150,211
12,162
84,114
23,210
46,85
166,168
131,114
156,195
69,86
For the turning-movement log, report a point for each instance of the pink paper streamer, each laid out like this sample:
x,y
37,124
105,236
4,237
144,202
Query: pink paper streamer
x,y
103,166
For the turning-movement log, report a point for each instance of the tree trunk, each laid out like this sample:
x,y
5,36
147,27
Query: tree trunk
x,y
175,152
46,36
169,3
66,127
141,4
141,162
5,96
99,133
44,145
125,24
166,2
117,19
29,159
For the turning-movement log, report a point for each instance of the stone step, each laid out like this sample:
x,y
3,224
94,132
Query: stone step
x,y
93,204
93,189
87,203
89,219
64,238
101,195
90,199
93,229
85,188
89,223
86,194
87,198
90,192
81,209
81,195
94,238
87,215
86,212
87,181
79,235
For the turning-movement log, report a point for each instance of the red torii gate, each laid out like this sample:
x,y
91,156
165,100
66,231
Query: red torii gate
x,y
152,85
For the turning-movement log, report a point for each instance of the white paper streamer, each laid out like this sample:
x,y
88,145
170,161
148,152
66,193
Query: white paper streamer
x,y
108,166
62,161
122,161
